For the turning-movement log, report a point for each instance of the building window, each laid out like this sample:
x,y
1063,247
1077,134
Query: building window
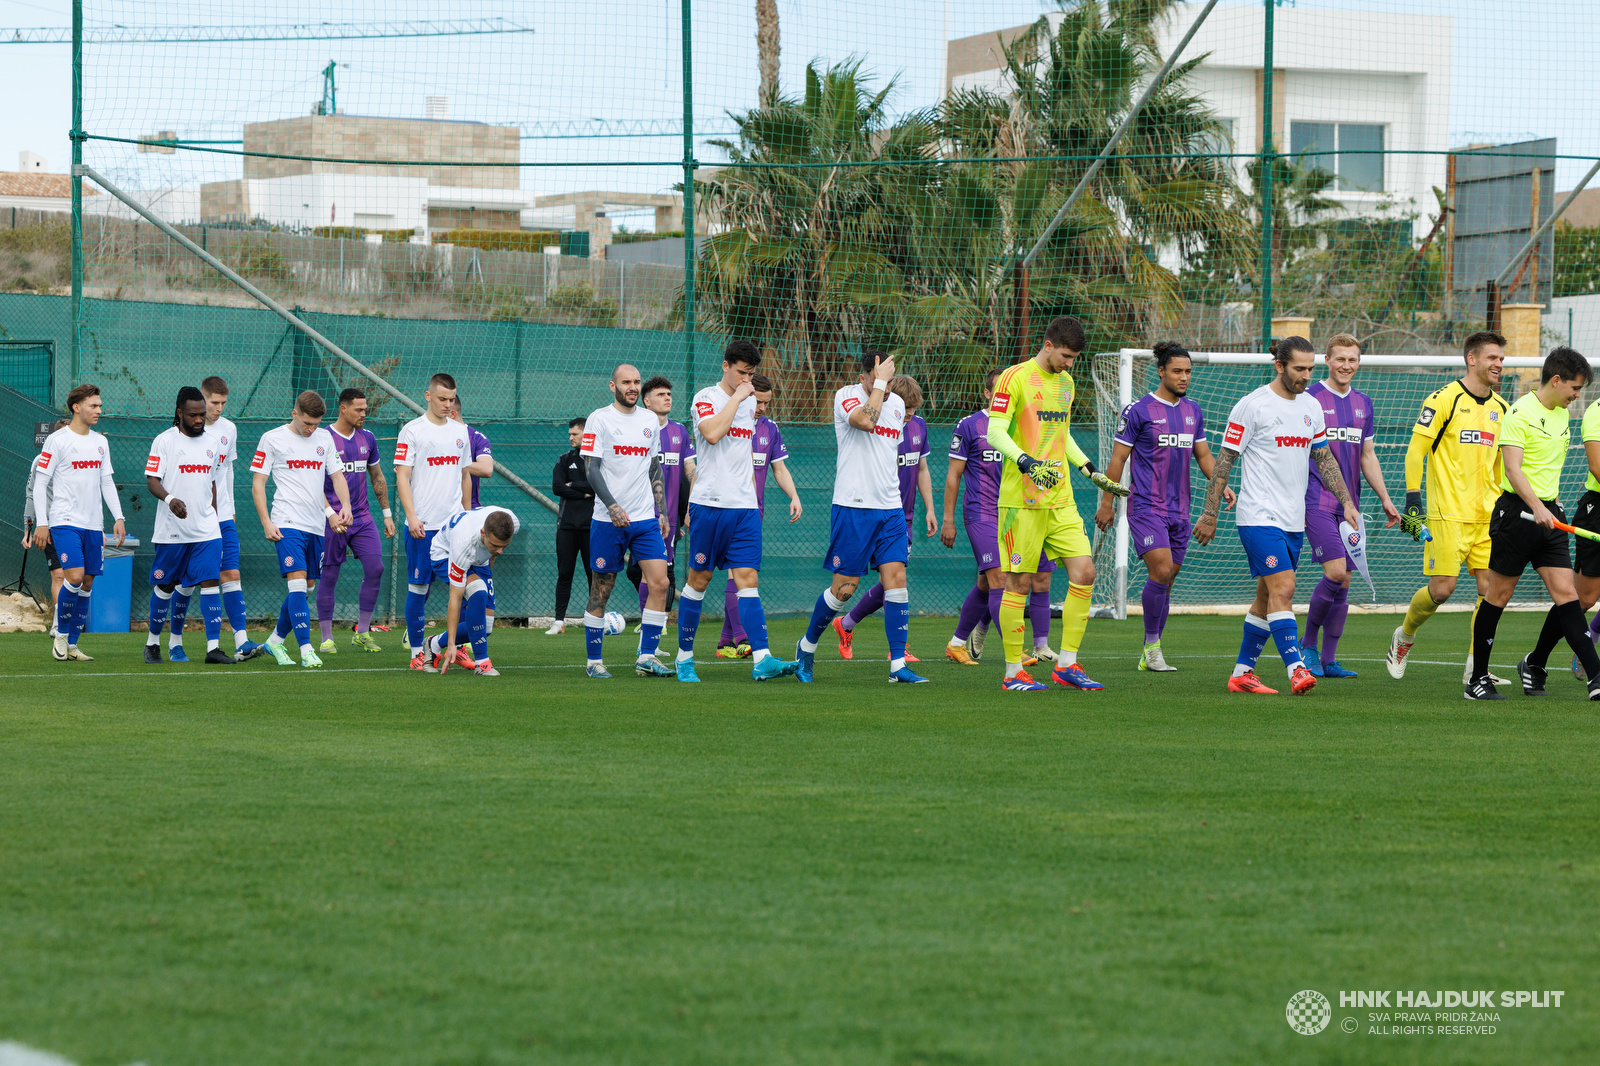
x,y
1350,151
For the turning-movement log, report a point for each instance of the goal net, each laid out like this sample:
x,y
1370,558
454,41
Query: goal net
x,y
1217,577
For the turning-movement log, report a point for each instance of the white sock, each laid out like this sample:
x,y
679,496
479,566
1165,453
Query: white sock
x,y
760,653
896,664
151,640
1240,669
1013,669
806,645
955,643
213,645
685,656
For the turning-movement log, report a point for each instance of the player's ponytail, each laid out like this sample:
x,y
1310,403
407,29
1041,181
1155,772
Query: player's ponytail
x,y
1167,351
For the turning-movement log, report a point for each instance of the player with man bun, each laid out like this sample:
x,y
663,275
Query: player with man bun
x,y
1275,434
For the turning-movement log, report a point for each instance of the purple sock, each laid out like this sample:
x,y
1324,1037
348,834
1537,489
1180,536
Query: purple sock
x,y
1333,626
1155,599
371,580
973,609
1594,627
644,593
1039,617
1322,600
995,592
732,630
865,606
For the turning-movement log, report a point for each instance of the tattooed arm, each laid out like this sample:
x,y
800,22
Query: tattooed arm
x,y
866,416
658,489
1333,480
1206,528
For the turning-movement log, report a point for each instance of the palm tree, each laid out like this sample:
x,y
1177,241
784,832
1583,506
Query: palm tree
x,y
767,48
809,262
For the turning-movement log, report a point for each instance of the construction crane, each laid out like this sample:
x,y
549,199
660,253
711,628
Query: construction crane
x,y
282,31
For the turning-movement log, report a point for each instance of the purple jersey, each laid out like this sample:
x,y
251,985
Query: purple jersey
x,y
913,449
478,445
356,452
677,444
980,497
1162,436
766,449
1349,419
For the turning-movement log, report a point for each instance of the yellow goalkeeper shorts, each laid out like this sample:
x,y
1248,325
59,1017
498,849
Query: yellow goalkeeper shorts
x,y
1027,532
1455,543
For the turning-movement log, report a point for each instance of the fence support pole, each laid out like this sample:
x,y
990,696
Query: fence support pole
x,y
83,170
1268,163
689,166
77,186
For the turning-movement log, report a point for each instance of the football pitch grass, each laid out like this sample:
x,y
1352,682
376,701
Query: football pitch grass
x,y
269,865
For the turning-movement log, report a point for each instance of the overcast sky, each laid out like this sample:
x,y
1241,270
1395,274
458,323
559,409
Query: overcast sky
x,y
620,59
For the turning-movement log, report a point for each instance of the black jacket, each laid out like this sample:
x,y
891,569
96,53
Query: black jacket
x,y
570,481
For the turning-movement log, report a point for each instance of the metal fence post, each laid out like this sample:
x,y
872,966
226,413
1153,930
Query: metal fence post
x,y
688,205
1268,161
77,185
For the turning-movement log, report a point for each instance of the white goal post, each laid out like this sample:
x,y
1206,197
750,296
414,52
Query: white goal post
x,y
1215,578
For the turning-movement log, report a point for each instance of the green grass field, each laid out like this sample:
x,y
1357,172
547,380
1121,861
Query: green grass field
x,y
267,865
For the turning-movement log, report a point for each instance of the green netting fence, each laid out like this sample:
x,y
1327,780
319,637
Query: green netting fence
x,y
523,194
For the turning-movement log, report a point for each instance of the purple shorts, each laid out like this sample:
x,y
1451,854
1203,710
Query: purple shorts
x,y
361,538
1322,536
1147,532
984,536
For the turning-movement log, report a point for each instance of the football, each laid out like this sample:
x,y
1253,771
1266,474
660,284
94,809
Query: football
x,y
615,623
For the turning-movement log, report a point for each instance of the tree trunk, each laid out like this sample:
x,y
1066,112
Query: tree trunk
x,y
767,48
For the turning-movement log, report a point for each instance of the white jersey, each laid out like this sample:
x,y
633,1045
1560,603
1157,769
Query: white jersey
x,y
227,447
1274,438
625,445
437,455
74,475
867,473
297,466
725,471
29,515
187,468
459,541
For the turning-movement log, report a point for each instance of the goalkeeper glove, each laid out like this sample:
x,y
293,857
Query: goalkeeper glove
x,y
1046,475
1104,483
1411,519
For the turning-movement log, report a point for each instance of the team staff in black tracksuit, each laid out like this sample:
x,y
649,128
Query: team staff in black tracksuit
x,y
570,482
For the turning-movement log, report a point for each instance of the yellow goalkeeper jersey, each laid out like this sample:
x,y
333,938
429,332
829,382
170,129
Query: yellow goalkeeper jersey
x,y
1037,407
1464,456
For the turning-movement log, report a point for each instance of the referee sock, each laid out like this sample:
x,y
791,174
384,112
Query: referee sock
x,y
690,603
1421,609
1256,632
1485,620
1550,635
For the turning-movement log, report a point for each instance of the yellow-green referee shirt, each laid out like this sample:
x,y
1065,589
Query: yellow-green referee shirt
x,y
1591,431
1543,433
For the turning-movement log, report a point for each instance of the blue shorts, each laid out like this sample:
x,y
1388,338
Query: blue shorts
x,y
488,581
724,538
420,568
1270,549
608,544
230,545
187,564
299,550
75,547
861,539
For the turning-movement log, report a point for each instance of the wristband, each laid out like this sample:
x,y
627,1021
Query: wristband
x,y
328,511
881,386
1089,470
388,513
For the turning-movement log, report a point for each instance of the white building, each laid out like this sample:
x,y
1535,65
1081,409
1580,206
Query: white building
x,y
1344,81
